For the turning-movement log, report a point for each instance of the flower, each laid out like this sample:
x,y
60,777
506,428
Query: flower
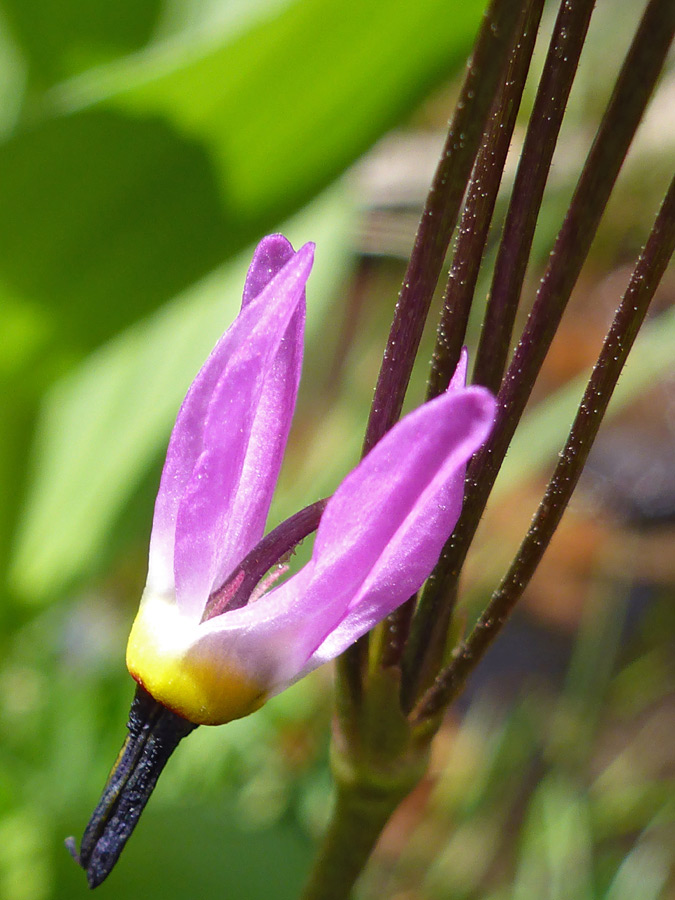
x,y
204,648
378,539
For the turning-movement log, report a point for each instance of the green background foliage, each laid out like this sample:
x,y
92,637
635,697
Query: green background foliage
x,y
144,148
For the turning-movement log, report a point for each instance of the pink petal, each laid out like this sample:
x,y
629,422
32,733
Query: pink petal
x,y
247,513
226,447
186,440
269,257
379,596
458,380
378,540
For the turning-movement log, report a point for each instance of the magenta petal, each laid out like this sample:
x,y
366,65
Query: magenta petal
x,y
458,380
234,420
272,416
269,257
250,503
426,491
186,441
378,540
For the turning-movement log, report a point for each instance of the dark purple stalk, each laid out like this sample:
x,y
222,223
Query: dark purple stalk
x,y
632,91
618,343
272,549
481,83
479,207
560,68
467,256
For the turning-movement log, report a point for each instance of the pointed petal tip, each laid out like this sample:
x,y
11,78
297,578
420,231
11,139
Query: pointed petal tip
x,y
278,246
297,269
278,243
478,411
274,247
297,264
269,257
458,380
306,253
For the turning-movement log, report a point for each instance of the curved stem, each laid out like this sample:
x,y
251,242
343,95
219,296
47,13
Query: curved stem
x,y
237,588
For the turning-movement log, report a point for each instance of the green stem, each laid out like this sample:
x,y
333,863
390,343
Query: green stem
x,y
358,819
376,759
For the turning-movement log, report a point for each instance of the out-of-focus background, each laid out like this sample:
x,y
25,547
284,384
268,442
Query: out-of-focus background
x,y
145,147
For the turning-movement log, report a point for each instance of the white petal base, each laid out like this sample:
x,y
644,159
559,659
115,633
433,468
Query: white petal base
x,y
166,658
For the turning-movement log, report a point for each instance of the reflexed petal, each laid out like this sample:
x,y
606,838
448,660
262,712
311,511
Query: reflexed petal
x,y
246,390
378,540
272,417
379,596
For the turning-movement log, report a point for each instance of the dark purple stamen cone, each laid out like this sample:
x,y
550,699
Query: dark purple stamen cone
x,y
154,733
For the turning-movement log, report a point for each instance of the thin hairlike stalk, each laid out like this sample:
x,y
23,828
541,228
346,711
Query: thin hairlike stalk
x,y
479,207
618,343
481,83
631,94
467,257
553,92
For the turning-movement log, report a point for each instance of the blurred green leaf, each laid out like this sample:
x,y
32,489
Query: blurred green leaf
x,y
461,865
23,872
12,78
61,37
105,423
555,861
191,851
287,105
103,217
583,699
145,175
644,873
